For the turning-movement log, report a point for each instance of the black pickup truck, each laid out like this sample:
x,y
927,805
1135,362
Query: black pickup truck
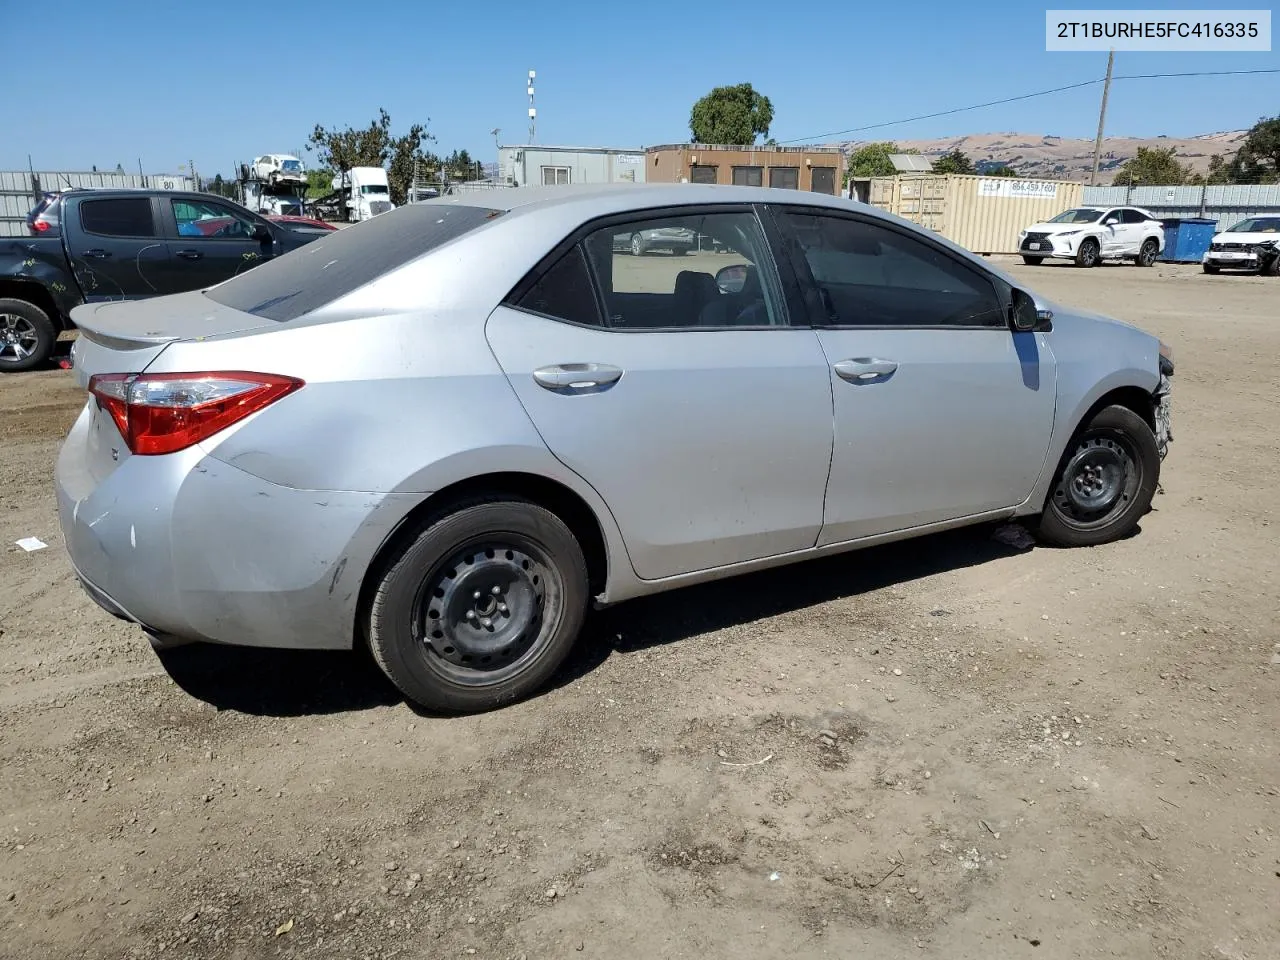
x,y
90,245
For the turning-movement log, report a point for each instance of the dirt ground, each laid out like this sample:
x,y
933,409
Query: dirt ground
x,y
945,749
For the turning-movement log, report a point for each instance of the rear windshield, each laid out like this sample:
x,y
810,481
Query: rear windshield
x,y
343,260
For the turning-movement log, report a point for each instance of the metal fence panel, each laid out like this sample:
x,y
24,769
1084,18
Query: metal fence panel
x,y
1225,203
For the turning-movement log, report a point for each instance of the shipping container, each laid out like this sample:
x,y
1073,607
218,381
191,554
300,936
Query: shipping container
x,y
982,214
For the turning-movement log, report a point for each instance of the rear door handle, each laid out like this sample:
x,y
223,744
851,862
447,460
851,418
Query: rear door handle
x,y
563,377
190,254
864,369
97,253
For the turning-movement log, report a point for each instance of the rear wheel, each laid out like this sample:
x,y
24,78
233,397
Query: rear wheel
x,y
1032,261
1147,255
481,607
27,336
1088,254
638,246
1104,483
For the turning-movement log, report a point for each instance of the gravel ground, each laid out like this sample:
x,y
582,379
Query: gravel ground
x,y
945,749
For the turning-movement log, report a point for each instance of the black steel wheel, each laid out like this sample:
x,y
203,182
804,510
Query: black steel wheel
x,y
1089,253
1147,255
1104,483
481,607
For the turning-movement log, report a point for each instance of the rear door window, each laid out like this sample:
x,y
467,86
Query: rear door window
x,y
118,217
285,288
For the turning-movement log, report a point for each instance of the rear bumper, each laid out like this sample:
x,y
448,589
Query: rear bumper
x,y
191,547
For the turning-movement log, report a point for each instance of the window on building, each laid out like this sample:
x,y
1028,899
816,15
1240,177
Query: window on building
x,y
748,176
555,176
118,217
824,180
788,178
703,173
871,276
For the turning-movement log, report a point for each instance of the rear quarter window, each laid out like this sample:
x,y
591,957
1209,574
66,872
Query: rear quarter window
x,y
332,266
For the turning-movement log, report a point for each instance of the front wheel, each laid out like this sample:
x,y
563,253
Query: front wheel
x,y
1271,268
1105,481
1032,261
1088,254
1147,255
1210,269
481,607
637,245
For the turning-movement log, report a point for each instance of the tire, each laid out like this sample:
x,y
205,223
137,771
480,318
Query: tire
x,y
1210,269
481,607
1272,269
1147,254
1032,261
1089,253
638,246
1104,482
27,336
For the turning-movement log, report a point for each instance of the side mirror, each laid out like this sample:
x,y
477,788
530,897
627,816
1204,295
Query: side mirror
x,y
1025,316
263,233
731,279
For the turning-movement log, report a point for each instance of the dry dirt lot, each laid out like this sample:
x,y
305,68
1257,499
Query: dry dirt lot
x,y
1050,754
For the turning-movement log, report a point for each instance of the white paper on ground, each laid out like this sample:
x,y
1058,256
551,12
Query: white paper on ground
x,y
31,543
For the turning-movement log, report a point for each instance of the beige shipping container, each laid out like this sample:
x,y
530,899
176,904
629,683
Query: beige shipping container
x,y
982,214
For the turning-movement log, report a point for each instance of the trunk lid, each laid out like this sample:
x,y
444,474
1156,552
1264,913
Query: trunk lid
x,y
125,337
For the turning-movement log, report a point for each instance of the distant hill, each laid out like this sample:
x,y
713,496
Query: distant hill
x,y
1065,158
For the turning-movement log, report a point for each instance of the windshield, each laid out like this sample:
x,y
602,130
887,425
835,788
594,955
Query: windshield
x,y
373,188
293,166
1079,215
285,288
1257,225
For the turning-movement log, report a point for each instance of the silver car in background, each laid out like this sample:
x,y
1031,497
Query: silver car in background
x,y
446,431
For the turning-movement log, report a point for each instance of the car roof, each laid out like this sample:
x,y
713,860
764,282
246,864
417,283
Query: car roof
x,y
630,196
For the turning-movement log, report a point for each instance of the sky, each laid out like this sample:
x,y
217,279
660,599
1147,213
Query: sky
x,y
115,81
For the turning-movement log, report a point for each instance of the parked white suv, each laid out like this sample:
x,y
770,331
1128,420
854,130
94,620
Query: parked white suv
x,y
1089,235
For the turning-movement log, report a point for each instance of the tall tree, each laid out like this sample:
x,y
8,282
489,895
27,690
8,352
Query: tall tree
x,y
731,115
872,160
954,161
1153,166
1258,159
373,146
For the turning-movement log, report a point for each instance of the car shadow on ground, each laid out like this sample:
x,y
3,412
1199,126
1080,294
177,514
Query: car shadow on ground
x,y
289,683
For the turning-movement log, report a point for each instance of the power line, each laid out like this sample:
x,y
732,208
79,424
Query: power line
x,y
1025,96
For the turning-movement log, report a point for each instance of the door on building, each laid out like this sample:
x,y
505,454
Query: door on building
x,y
824,180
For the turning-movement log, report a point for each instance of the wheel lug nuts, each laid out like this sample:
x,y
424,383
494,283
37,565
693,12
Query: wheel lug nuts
x,y
477,595
496,590
471,614
486,622
502,608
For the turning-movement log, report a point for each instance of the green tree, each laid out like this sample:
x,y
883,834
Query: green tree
x,y
1004,170
373,146
953,161
731,115
872,160
1153,166
319,183
1258,159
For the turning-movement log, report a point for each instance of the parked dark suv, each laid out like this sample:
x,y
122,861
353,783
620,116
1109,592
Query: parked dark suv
x,y
92,245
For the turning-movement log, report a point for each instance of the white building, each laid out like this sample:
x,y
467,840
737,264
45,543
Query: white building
x,y
533,165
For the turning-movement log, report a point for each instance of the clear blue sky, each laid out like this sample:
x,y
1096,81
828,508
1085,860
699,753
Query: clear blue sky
x,y
109,81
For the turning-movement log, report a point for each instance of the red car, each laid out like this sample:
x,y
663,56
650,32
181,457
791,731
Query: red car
x,y
301,224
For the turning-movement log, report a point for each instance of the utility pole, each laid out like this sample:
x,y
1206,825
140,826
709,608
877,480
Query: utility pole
x,y
1102,119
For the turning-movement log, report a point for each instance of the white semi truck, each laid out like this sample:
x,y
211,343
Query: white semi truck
x,y
275,183
359,194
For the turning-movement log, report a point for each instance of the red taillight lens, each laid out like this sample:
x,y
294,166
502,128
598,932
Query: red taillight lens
x,y
166,412
39,226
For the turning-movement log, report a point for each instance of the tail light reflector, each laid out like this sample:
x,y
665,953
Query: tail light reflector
x,y
166,412
38,226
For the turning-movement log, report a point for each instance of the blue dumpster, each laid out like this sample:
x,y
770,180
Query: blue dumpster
x,y
1185,241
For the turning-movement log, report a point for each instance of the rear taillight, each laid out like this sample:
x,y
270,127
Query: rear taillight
x,y
39,226
165,412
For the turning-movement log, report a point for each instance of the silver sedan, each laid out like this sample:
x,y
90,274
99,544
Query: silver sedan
x,y
448,431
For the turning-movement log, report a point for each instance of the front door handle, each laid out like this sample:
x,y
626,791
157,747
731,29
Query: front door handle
x,y
577,377
98,253
864,369
190,254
